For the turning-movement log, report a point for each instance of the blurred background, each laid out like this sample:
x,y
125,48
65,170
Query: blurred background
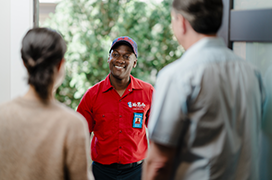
x,y
90,26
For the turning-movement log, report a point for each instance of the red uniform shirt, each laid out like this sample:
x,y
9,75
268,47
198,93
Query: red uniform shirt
x,y
118,135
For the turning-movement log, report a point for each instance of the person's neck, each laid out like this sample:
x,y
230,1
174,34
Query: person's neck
x,y
194,38
31,94
120,85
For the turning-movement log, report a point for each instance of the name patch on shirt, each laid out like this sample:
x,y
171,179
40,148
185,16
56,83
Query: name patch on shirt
x,y
138,120
136,106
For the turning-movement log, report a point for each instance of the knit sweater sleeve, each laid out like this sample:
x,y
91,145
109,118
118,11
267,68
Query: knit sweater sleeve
x,y
77,151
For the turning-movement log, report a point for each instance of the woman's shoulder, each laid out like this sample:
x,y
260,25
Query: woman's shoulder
x,y
68,115
9,105
71,121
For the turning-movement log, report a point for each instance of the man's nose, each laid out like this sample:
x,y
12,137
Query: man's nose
x,y
120,59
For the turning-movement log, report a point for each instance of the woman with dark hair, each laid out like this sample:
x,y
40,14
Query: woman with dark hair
x,y
39,137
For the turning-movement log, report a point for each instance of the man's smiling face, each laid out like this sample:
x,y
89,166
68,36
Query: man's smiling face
x,y
121,61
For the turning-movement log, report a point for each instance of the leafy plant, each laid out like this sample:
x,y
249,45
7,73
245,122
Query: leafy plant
x,y
89,26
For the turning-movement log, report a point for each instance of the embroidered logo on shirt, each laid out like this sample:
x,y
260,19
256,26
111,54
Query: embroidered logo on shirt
x,y
136,104
130,104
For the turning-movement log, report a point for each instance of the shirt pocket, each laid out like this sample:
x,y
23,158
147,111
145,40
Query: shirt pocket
x,y
144,110
105,125
133,131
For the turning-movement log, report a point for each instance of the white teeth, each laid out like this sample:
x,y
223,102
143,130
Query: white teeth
x,y
119,67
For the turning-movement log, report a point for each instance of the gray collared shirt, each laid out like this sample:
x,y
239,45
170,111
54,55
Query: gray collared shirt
x,y
222,96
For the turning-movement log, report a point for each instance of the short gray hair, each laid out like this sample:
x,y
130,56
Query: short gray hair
x,y
205,16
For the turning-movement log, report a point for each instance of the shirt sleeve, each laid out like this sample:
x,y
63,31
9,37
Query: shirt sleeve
x,y
169,109
77,151
85,109
148,112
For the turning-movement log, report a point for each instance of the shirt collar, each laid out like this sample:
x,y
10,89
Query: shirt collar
x,y
206,42
107,85
134,84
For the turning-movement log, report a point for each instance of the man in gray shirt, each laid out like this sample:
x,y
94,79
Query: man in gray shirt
x,y
220,96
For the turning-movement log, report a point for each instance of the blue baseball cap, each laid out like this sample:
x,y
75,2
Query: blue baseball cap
x,y
126,40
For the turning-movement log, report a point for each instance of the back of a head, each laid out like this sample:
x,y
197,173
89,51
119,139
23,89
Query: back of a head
x,y
205,16
42,51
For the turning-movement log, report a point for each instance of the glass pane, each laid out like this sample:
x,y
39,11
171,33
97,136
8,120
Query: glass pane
x,y
251,4
260,54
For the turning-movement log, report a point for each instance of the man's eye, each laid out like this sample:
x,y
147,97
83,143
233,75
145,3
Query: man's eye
x,y
114,55
126,57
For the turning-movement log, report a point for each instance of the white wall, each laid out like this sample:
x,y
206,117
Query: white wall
x,y
4,50
16,17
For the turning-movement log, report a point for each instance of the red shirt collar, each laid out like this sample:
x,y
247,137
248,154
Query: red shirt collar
x,y
133,84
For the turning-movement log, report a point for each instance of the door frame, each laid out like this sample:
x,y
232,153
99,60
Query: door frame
x,y
245,25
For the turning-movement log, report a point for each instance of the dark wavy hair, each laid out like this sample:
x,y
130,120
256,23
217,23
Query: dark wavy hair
x,y
205,16
42,50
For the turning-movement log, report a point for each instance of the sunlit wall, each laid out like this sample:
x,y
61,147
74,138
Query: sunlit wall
x,y
16,18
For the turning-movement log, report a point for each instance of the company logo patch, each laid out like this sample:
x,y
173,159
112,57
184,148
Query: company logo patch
x,y
130,104
136,104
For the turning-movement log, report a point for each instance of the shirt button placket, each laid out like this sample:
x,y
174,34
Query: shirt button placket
x,y
120,147
120,131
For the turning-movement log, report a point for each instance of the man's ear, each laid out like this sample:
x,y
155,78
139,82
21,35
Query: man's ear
x,y
183,23
109,57
135,63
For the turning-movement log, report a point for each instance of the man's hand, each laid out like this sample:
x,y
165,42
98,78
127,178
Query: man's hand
x,y
159,162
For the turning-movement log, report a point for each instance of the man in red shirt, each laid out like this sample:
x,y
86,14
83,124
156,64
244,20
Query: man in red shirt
x,y
117,111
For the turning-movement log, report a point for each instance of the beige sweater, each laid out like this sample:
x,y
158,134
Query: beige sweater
x,y
39,142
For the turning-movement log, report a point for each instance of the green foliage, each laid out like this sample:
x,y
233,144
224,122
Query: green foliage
x,y
89,26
